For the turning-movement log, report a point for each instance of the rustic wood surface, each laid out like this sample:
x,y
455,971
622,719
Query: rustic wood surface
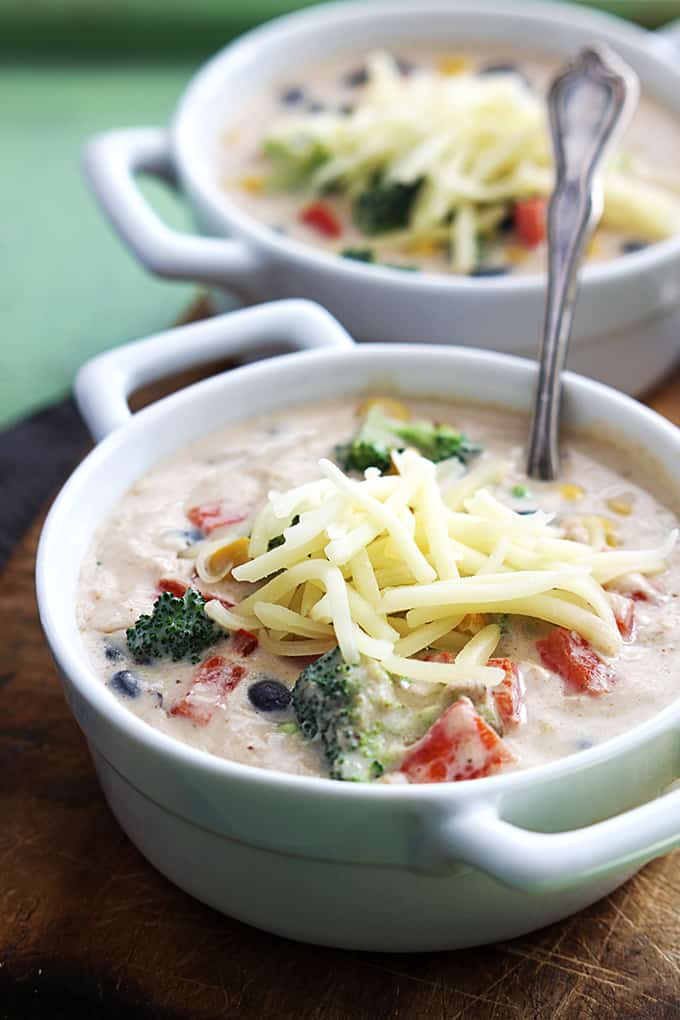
x,y
88,928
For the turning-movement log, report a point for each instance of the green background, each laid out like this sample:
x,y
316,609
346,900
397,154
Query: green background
x,y
70,68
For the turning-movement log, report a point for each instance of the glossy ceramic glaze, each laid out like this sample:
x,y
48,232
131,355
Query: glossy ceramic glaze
x,y
361,866
625,330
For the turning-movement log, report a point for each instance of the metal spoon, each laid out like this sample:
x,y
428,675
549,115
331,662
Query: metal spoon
x,y
589,104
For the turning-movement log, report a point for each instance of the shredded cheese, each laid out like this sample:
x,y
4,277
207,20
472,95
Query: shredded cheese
x,y
475,142
389,566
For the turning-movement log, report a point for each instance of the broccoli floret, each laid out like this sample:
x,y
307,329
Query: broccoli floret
x,y
384,206
177,628
436,442
278,540
294,162
379,435
354,712
358,254
503,621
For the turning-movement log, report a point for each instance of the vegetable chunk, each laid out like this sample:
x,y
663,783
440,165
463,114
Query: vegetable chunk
x,y
320,217
244,643
380,434
213,680
177,628
384,206
571,657
624,614
354,712
210,516
530,216
508,695
460,745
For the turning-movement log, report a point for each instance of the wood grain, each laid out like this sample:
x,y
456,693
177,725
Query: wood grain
x,y
88,928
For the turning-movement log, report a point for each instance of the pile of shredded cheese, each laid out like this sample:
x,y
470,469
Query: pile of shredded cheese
x,y
389,565
477,142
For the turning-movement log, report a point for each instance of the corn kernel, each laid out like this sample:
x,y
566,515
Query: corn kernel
x,y
228,556
516,254
609,529
594,248
454,64
571,492
473,623
391,407
253,183
423,247
620,505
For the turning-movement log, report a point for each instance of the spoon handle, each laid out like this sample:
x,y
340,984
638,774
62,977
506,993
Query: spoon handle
x,y
589,105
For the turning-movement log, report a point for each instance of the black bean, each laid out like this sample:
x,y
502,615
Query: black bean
x,y
346,109
293,94
490,271
359,75
406,67
630,247
126,683
524,513
112,653
192,535
508,222
269,695
504,67
356,77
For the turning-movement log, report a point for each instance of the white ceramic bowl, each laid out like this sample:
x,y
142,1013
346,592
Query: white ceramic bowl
x,y
344,864
625,330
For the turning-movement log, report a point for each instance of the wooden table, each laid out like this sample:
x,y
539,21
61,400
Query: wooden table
x,y
88,928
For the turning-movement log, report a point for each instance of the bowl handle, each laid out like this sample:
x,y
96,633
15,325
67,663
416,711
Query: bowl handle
x,y
537,861
103,384
110,161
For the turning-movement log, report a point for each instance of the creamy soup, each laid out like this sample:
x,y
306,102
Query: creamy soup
x,y
425,160
481,690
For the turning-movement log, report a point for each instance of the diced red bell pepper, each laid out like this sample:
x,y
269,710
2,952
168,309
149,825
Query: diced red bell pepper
x,y
440,657
460,745
530,220
243,642
647,592
213,680
624,614
508,695
571,657
320,217
209,516
177,588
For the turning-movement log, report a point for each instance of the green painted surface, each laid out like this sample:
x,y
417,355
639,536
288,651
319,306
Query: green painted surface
x,y
68,288
163,26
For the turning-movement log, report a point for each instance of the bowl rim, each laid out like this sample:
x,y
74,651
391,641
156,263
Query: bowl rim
x,y
99,699
234,219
